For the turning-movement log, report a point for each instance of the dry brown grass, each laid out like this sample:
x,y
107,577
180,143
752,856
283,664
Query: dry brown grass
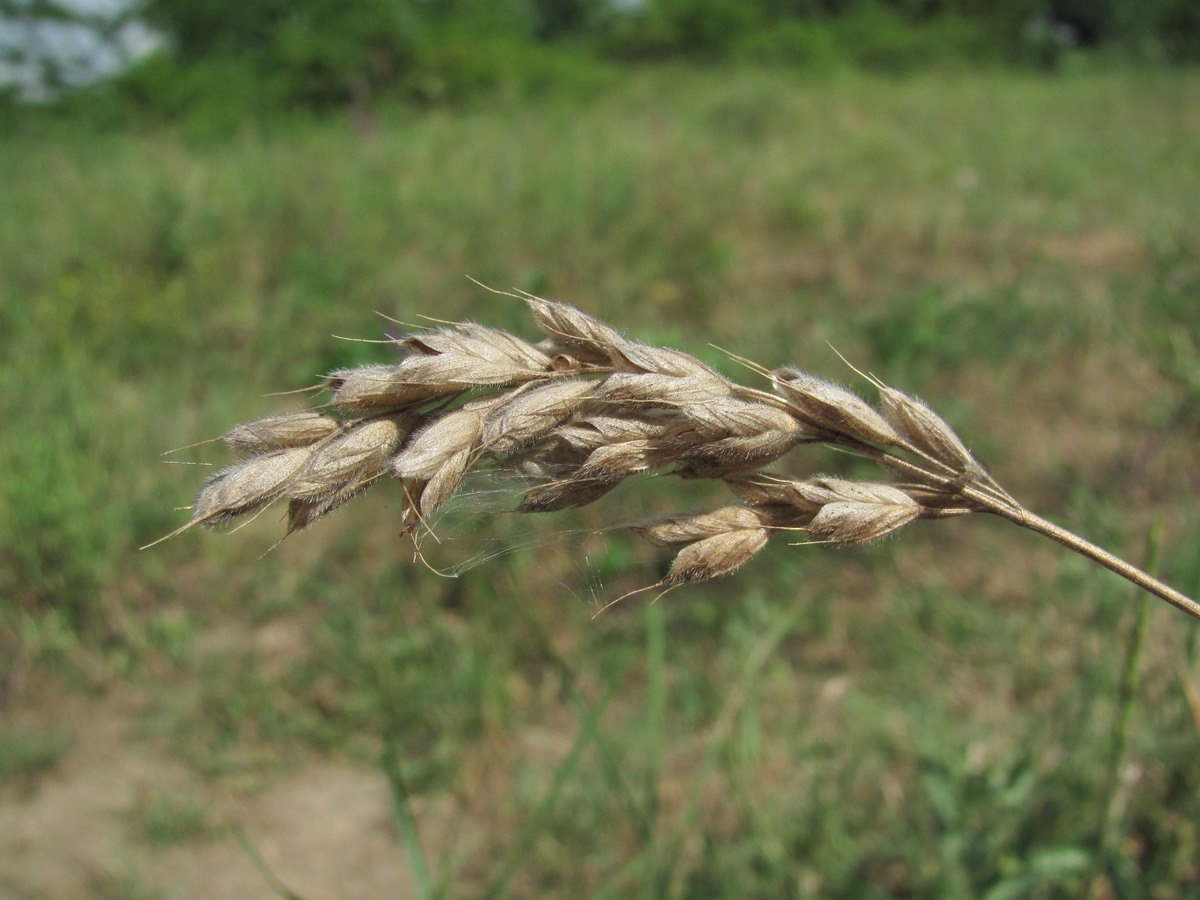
x,y
586,408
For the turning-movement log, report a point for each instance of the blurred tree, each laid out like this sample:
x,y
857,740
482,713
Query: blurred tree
x,y
1178,29
326,51
237,59
321,50
568,18
49,45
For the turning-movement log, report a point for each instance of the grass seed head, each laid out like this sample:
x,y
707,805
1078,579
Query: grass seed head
x,y
281,432
368,389
351,460
530,415
624,390
247,485
443,484
848,522
715,556
685,529
835,407
925,429
577,335
448,434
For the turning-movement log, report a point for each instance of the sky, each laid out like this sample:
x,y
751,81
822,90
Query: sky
x,y
25,45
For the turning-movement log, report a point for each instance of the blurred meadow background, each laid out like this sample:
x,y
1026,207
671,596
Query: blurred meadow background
x,y
993,206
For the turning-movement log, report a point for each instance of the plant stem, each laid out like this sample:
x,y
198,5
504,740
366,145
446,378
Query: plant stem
x,y
1036,523
1109,832
995,500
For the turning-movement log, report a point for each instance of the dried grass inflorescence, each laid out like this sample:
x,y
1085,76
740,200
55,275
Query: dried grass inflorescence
x,y
586,408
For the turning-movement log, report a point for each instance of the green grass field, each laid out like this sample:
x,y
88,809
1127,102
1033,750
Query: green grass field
x,y
963,711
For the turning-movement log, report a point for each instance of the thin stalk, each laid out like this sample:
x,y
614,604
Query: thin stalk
x,y
1071,541
1108,823
406,823
256,860
998,502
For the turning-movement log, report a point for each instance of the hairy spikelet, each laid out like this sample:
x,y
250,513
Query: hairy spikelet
x,y
684,529
732,456
436,442
850,512
479,341
762,489
632,356
566,493
579,413
649,391
302,512
451,433
715,556
576,335
247,486
443,483
846,522
473,356
371,388
350,460
834,407
732,417
531,414
734,436
600,431
617,461
925,429
281,432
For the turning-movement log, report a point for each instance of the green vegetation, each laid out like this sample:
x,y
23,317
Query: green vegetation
x,y
216,64
930,717
165,819
25,756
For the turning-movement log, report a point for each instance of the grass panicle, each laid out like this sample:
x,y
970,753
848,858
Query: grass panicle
x,y
587,408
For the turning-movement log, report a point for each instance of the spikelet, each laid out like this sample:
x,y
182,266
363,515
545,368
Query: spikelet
x,y
470,339
443,484
734,417
832,509
576,335
473,356
351,460
667,531
624,391
854,511
302,513
632,356
613,462
599,431
565,493
715,556
430,448
732,456
531,414
371,388
281,432
834,406
762,489
925,429
247,486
